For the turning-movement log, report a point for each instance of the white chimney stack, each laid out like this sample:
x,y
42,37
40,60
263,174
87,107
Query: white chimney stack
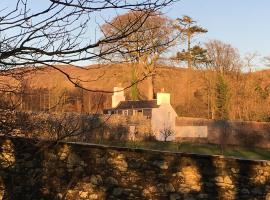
x,y
163,98
118,96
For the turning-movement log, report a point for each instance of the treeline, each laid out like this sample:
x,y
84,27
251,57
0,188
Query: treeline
x,y
55,100
211,94
234,96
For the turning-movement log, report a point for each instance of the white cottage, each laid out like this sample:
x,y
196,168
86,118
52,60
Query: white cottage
x,y
159,111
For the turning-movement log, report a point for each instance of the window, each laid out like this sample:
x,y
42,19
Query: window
x,y
130,112
147,113
125,112
137,112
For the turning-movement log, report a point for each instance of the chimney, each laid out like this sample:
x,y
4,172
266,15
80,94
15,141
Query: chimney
x,y
163,97
118,95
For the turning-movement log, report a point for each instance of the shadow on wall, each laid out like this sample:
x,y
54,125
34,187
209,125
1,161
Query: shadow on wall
x,y
37,170
222,132
247,134
251,135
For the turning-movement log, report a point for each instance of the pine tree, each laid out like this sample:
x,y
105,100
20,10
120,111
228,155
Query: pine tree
x,y
188,28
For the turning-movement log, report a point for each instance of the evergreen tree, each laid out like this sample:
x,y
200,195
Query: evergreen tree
x,y
188,28
198,56
134,87
222,97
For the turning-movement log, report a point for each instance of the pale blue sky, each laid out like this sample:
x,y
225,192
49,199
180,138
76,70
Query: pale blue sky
x,y
243,23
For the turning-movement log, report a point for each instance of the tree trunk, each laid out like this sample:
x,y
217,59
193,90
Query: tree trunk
x,y
189,51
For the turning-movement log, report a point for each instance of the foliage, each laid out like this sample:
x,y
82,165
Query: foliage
x,y
262,92
221,73
222,98
193,55
198,56
134,88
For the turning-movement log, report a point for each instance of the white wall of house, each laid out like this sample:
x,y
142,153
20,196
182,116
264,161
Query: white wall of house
x,y
163,117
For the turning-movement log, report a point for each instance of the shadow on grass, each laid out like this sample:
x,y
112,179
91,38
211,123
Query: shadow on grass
x,y
205,149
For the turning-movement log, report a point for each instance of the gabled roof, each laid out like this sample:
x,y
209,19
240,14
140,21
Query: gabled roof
x,y
137,104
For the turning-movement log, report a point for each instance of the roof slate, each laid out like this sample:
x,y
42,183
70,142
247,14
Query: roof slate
x,y
137,104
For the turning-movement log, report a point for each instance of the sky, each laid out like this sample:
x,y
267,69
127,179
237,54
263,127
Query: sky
x,y
242,23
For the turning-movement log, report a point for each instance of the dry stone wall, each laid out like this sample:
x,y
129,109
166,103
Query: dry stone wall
x,y
43,170
90,128
141,123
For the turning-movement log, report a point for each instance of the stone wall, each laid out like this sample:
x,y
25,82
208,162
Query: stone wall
x,y
75,127
92,128
118,127
256,134
42,170
142,124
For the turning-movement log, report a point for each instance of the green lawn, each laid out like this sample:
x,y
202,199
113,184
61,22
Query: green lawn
x,y
208,149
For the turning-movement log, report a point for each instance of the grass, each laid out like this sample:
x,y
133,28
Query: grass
x,y
207,149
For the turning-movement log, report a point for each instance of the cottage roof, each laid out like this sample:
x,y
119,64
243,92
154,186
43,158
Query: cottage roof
x,y
142,104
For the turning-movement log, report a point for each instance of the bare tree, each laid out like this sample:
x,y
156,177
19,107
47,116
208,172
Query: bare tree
x,y
267,61
167,132
58,32
143,47
222,58
250,59
223,66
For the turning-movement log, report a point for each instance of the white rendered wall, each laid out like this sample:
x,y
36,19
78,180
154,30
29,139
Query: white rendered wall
x,y
162,118
117,96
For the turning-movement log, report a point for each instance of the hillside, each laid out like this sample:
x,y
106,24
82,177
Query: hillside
x,y
105,77
51,89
